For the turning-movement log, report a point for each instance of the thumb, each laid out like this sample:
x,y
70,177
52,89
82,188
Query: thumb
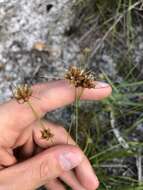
x,y
35,172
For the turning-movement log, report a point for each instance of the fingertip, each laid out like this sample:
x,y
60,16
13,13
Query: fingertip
x,y
107,92
94,183
87,176
97,184
90,182
101,91
58,159
70,157
6,158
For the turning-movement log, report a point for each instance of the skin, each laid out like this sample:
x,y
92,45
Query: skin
x,y
38,160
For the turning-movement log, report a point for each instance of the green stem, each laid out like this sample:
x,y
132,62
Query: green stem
x,y
70,128
76,115
86,146
77,100
80,94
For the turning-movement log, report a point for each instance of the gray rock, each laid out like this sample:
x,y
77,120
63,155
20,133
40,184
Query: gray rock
x,y
23,23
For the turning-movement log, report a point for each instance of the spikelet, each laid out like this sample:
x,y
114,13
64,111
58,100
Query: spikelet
x,y
80,78
22,93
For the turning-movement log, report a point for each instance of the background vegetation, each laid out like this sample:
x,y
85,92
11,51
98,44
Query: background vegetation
x,y
113,129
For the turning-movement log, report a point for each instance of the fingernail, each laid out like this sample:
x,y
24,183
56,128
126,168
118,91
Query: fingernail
x,y
69,160
101,85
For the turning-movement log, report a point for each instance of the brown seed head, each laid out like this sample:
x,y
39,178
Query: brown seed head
x,y
80,77
46,134
22,93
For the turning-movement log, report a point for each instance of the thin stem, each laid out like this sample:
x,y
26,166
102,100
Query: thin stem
x,y
76,115
104,152
36,114
38,118
77,100
70,127
80,94
86,146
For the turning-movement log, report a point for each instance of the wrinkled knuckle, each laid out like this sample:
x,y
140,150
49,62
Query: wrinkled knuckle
x,y
45,170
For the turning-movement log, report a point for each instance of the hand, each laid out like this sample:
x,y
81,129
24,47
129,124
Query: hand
x,y
43,163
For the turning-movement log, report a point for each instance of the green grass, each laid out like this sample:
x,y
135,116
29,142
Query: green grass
x,y
114,163
113,155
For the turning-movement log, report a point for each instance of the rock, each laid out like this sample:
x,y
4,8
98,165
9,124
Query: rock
x,y
23,23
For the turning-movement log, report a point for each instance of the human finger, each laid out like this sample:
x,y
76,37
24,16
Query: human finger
x,y
45,166
84,171
54,184
51,95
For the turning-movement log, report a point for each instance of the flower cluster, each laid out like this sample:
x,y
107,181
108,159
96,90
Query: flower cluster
x,y
80,77
76,76
46,134
22,93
